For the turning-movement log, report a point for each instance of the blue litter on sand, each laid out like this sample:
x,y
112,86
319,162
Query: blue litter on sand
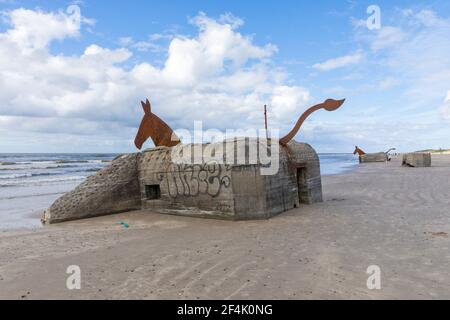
x,y
125,225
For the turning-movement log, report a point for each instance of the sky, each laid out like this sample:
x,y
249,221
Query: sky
x,y
73,73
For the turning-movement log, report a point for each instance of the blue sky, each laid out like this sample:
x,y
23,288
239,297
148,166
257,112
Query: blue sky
x,y
71,87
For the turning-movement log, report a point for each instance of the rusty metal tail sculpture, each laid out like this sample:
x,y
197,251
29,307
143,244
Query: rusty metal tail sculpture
x,y
152,126
329,105
391,149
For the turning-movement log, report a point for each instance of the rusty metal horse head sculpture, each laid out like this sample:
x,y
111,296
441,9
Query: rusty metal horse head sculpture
x,y
358,151
162,135
152,126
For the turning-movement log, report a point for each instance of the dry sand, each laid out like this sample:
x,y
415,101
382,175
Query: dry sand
x,y
380,214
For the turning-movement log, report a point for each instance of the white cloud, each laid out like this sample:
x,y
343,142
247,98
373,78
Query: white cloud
x,y
422,59
230,19
427,18
285,100
191,59
387,37
149,44
339,62
358,23
35,29
126,41
219,76
388,83
415,51
445,108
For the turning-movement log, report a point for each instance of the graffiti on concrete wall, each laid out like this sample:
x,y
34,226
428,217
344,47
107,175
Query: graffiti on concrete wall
x,y
195,179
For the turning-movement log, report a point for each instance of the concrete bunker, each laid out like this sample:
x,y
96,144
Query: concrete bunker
x,y
416,159
233,189
372,157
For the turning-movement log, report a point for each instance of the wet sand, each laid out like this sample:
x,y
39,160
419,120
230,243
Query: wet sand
x,y
21,207
380,214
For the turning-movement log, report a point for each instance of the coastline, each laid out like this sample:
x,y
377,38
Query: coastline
x,y
30,182
34,181
379,214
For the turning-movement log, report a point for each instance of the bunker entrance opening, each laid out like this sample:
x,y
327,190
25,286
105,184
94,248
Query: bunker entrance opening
x,y
302,185
153,192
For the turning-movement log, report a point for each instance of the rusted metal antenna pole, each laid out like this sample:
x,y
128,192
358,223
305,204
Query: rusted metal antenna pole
x,y
265,121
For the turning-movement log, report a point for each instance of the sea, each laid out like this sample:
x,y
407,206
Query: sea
x,y
30,183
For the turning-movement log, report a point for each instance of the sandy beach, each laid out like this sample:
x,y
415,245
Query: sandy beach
x,y
379,214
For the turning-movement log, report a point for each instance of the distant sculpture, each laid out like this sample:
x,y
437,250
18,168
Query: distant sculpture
x,y
329,105
152,126
391,149
162,135
358,151
371,157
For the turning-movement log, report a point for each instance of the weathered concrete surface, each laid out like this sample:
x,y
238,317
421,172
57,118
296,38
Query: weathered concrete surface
x,y
373,157
202,189
112,190
417,159
233,188
236,190
377,215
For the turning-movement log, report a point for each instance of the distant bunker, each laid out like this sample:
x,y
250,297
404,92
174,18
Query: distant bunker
x,y
240,187
416,160
373,157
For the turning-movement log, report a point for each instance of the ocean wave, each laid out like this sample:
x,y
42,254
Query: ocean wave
x,y
13,183
72,161
31,195
62,179
49,162
39,168
50,173
7,163
15,176
26,175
